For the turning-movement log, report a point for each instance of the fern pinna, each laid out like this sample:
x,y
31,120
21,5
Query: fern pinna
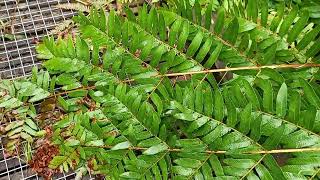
x,y
181,91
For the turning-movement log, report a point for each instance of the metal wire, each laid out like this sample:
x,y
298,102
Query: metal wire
x,y
22,22
25,22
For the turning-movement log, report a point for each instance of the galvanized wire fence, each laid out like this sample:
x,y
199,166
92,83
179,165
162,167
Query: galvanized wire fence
x,y
22,24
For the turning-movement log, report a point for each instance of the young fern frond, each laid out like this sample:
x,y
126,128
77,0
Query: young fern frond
x,y
241,118
21,129
218,135
83,134
19,114
139,102
273,74
135,126
102,39
141,125
14,94
263,39
154,124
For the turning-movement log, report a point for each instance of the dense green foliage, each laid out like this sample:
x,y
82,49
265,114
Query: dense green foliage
x,y
133,97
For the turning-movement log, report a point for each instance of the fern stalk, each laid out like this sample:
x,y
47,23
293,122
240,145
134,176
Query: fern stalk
x,y
274,151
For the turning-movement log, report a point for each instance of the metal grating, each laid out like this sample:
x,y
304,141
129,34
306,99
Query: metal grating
x,y
25,22
22,23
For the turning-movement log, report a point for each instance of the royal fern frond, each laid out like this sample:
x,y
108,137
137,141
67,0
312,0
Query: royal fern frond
x,y
139,102
19,114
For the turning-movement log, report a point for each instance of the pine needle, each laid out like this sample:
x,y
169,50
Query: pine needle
x,y
61,27
74,6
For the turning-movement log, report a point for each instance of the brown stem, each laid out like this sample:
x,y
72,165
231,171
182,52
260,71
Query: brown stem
x,y
82,2
280,66
274,151
70,91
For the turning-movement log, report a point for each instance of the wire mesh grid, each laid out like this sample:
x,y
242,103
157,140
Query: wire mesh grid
x,y
22,24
